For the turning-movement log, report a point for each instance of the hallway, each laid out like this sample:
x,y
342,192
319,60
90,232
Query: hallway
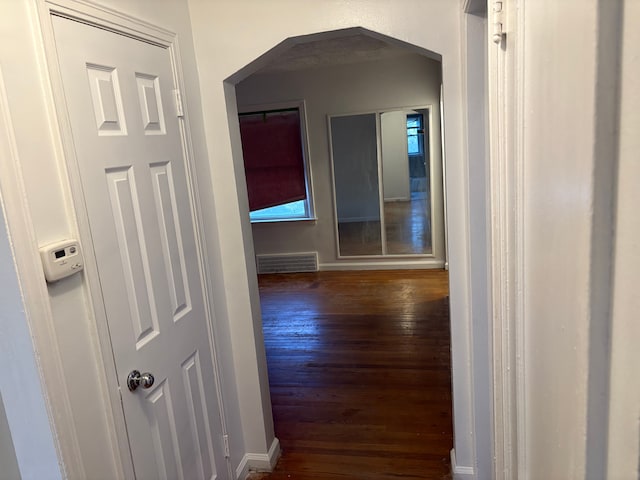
x,y
360,375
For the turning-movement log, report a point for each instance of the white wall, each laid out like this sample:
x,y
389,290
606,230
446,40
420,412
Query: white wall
x,y
569,165
478,158
407,81
395,157
8,458
28,446
559,92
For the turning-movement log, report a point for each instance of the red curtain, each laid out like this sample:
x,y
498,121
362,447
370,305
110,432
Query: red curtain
x,y
273,161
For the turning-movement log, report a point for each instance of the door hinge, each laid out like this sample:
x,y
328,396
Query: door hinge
x,y
225,438
498,30
177,100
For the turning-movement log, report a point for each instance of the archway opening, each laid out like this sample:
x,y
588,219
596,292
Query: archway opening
x,y
364,78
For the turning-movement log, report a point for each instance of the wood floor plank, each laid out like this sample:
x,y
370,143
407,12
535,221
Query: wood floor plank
x,y
360,374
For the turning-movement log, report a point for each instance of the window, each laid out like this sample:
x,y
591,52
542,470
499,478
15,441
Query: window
x,y
292,210
273,146
415,130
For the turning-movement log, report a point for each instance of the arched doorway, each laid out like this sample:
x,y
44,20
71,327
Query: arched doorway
x,y
461,361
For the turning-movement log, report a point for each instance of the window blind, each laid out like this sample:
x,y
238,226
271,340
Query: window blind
x,y
273,160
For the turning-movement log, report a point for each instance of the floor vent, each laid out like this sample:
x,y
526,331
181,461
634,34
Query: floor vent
x,y
287,263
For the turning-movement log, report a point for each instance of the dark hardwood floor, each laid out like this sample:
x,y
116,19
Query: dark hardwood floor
x,y
360,376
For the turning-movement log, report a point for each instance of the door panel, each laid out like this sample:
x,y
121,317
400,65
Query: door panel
x,y
173,253
135,265
132,167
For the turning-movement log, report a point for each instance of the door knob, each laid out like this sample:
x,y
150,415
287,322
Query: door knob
x,y
136,379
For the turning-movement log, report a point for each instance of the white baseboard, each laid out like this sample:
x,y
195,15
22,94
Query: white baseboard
x,y
259,462
460,472
386,264
242,472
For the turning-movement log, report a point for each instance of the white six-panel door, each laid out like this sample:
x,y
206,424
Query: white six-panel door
x,y
132,165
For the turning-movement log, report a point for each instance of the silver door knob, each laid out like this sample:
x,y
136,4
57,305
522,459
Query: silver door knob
x,y
136,379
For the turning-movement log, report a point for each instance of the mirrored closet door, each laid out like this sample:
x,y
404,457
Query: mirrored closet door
x,y
382,182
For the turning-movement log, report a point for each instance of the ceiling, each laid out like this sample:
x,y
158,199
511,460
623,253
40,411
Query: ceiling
x,y
334,51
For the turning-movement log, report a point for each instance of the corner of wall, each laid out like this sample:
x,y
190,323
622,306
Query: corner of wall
x,y
258,461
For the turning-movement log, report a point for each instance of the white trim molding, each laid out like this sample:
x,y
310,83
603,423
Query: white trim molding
x,y
459,472
506,169
410,264
259,462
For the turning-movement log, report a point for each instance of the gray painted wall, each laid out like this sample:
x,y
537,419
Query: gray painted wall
x,y
8,461
407,81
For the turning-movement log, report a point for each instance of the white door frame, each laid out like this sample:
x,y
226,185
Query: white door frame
x,y
112,20
506,180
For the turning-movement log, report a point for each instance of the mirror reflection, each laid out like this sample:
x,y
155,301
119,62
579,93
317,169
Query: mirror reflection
x,y
405,182
357,190
382,191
